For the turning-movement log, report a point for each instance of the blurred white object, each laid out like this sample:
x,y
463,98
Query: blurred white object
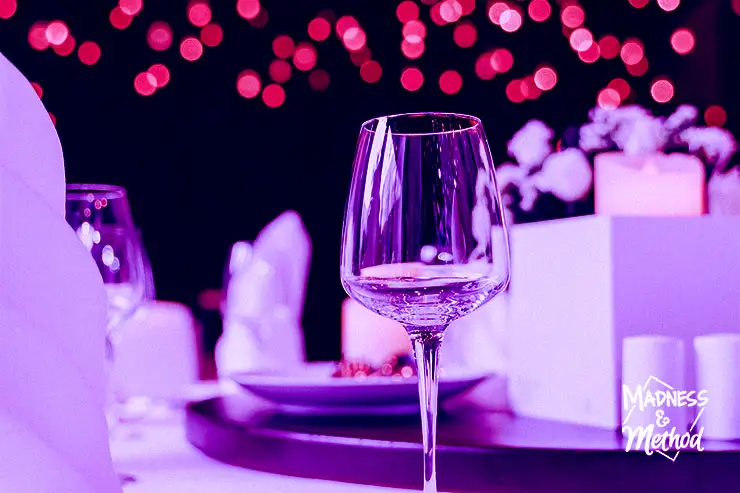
x,y
531,145
724,193
566,174
52,312
157,355
649,362
717,144
718,372
648,184
264,301
369,337
28,141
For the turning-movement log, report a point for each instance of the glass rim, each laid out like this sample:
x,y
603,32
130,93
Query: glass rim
x,y
474,120
80,191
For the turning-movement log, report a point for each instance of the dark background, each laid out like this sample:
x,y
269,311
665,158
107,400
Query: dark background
x,y
205,167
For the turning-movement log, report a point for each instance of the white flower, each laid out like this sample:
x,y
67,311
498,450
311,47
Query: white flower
x,y
595,136
529,193
509,174
724,193
684,117
566,174
717,143
642,135
531,145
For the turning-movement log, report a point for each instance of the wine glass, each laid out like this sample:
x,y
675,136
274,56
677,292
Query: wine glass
x,y
101,217
424,240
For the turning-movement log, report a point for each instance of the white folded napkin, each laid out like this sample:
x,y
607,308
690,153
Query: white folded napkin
x,y
29,145
52,313
264,301
52,316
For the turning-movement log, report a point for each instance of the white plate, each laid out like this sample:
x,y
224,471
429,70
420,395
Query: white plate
x,y
311,389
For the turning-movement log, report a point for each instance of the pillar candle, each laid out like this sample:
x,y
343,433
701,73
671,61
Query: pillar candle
x,y
718,372
369,337
648,184
660,357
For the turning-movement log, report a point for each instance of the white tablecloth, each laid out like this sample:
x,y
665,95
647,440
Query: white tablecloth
x,y
163,461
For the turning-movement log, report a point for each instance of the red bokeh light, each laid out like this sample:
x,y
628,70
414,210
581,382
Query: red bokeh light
x,y
212,35
511,21
131,7
191,49
683,40
145,84
161,74
468,6
539,10
608,99
273,95
609,47
38,89
465,34
371,71
484,67
715,116
354,38
502,60
280,71
319,29
283,46
412,79
573,16
450,82
591,55
56,33
53,119
344,23
669,5
529,88
736,6
37,36
248,84
450,10
581,39
662,90
545,78
407,11
632,52
159,36
319,80
412,51
414,31
514,91
199,13
622,87
67,47
435,14
8,8
638,4
304,57
89,53
640,68
360,56
495,12
120,19
248,9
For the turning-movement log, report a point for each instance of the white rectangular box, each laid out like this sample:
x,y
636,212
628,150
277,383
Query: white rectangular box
x,y
580,285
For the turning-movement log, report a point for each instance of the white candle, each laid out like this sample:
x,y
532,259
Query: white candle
x,y
718,372
653,363
648,184
369,337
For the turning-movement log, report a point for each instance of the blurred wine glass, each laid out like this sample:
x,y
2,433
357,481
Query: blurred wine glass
x,y
424,240
101,217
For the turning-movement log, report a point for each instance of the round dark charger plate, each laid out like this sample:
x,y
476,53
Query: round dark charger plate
x,y
478,451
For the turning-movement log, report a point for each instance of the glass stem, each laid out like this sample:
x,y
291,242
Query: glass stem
x,y
427,342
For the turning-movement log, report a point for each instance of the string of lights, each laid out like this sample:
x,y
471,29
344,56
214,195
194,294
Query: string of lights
x,y
302,56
